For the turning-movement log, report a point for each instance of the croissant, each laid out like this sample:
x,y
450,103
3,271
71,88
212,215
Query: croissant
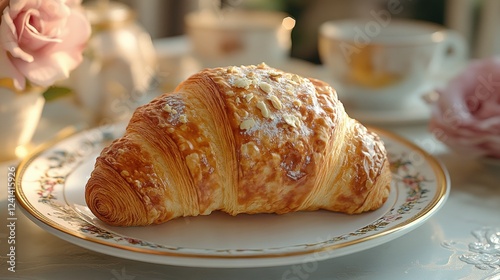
x,y
249,139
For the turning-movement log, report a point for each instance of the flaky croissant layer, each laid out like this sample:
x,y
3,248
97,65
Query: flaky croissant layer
x,y
249,139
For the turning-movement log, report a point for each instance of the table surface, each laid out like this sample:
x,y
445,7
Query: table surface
x,y
441,248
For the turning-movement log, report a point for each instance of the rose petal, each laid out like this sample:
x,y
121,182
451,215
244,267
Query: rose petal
x,y
18,6
33,39
76,37
49,69
9,40
8,70
55,15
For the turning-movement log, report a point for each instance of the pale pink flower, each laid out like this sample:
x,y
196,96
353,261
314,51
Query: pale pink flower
x,y
41,41
467,114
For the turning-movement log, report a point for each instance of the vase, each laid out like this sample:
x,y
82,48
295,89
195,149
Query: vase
x,y
118,65
20,113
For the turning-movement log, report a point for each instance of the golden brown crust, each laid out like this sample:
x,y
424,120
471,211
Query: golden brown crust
x,y
249,139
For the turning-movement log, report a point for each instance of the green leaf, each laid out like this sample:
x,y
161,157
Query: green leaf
x,y
54,92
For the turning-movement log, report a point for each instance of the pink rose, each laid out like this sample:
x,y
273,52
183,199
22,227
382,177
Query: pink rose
x,y
466,116
41,40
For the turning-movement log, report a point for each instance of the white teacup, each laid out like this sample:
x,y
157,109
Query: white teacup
x,y
378,65
236,37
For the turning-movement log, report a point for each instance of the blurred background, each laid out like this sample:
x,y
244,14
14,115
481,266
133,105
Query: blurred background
x,y
169,40
474,19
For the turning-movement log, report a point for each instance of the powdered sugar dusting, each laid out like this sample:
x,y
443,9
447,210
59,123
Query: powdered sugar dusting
x,y
282,114
272,93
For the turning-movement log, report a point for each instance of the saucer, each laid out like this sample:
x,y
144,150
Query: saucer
x,y
418,108
418,112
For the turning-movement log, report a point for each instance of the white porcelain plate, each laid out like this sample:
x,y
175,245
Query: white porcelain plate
x,y
50,188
